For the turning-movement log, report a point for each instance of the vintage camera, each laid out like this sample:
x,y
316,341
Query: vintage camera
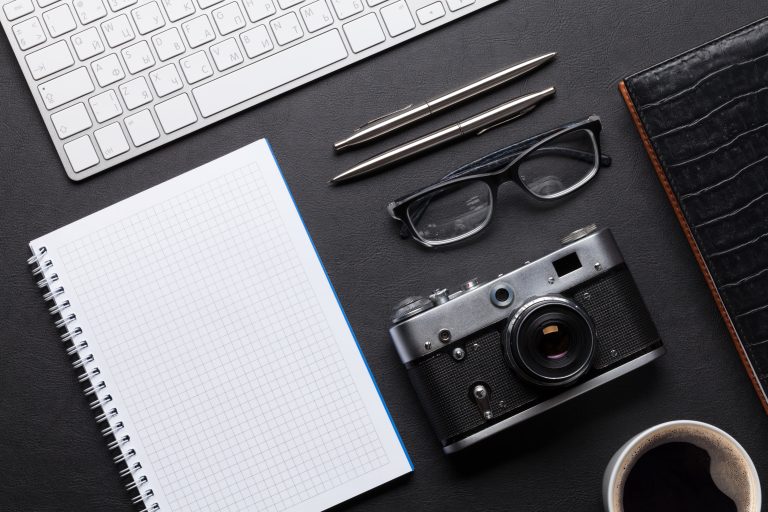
x,y
491,355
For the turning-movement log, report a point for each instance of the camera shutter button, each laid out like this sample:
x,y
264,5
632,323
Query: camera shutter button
x,y
439,296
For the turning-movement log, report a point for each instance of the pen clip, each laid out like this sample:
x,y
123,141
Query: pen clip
x,y
382,117
519,114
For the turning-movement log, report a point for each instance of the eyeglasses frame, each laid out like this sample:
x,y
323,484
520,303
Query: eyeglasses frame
x,y
495,177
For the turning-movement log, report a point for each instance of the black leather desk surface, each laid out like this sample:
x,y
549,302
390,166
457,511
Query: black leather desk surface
x,y
51,456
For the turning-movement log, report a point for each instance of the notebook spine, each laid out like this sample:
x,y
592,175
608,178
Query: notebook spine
x,y
90,377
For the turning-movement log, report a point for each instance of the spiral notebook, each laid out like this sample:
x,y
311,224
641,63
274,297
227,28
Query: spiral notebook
x,y
213,349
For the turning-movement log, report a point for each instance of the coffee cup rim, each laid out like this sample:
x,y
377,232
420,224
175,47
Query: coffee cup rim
x,y
618,460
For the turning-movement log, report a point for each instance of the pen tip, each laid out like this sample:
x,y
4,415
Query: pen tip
x,y
548,56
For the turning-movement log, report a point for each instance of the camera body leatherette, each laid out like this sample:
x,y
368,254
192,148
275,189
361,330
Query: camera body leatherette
x,y
703,119
624,331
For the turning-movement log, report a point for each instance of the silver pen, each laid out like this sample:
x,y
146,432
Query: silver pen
x,y
475,125
413,113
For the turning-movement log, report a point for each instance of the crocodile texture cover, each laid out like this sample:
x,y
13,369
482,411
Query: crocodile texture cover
x,y
703,118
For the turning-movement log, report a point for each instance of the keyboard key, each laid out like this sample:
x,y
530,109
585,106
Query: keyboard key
x,y
364,33
397,17
148,18
228,18
259,9
46,3
346,8
107,70
71,120
89,10
105,106
286,28
117,5
65,88
178,9
166,80
316,15
17,8
87,43
81,153
270,72
198,31
256,41
117,31
168,44
455,5
430,12
204,4
226,54
287,4
196,67
59,20
141,128
138,57
49,60
111,140
135,93
175,113
29,33
374,3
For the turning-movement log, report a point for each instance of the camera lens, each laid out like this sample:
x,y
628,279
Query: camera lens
x,y
553,341
550,341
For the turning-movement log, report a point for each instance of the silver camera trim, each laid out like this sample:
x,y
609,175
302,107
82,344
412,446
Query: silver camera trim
x,y
472,310
563,397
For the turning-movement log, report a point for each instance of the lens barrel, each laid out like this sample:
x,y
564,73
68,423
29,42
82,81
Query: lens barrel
x,y
550,341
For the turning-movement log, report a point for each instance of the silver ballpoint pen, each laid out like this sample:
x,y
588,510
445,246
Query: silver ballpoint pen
x,y
413,113
475,125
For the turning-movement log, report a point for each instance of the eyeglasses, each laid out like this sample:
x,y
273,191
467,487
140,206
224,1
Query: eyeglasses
x,y
547,167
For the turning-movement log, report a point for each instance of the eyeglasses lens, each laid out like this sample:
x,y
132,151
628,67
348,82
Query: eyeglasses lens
x,y
452,212
561,165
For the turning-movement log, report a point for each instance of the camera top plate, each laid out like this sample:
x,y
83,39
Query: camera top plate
x,y
474,309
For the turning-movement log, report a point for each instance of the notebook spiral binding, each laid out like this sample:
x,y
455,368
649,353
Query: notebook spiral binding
x,y
95,389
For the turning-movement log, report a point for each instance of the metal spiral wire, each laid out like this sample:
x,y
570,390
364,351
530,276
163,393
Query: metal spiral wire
x,y
93,385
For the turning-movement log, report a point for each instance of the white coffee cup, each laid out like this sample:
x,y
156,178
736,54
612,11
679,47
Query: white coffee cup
x,y
731,468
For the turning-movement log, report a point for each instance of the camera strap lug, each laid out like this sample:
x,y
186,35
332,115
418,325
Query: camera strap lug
x,y
480,396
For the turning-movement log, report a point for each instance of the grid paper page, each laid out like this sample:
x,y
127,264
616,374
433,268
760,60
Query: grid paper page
x,y
222,343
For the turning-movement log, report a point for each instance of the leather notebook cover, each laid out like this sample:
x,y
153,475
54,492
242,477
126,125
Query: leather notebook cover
x,y
703,118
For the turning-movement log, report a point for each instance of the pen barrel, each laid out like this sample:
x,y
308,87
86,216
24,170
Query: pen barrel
x,y
504,112
415,147
384,125
486,84
402,152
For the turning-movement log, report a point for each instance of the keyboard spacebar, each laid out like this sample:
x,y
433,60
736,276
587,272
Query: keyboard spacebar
x,y
266,74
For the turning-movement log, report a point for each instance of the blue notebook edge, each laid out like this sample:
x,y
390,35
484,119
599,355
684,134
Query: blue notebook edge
x,y
338,303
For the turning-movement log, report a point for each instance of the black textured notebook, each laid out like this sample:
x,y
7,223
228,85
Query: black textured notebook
x,y
703,118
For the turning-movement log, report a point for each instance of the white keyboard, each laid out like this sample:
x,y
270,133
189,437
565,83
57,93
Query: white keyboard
x,y
116,78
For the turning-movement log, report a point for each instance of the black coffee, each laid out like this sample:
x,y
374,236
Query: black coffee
x,y
674,477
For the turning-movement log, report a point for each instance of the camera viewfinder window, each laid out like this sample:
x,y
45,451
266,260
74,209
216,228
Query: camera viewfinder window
x,y
567,264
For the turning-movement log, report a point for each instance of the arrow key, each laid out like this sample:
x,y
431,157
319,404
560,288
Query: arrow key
x,y
49,60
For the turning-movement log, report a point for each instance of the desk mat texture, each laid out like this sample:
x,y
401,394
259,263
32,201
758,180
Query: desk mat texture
x,y
703,118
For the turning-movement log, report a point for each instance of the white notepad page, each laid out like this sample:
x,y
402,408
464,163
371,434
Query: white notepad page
x,y
223,346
